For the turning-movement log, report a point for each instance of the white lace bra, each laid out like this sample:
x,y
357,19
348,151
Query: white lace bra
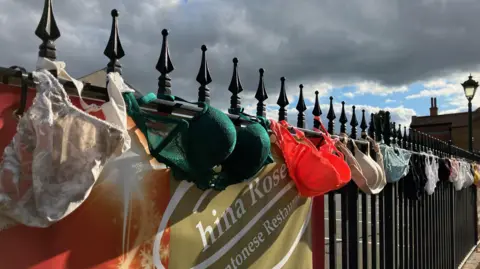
x,y
431,171
54,159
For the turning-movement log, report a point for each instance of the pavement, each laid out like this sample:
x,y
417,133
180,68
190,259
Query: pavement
x,y
473,262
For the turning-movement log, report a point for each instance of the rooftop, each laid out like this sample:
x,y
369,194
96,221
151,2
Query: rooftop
x,y
453,119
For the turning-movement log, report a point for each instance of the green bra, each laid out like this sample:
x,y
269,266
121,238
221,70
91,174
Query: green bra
x,y
196,149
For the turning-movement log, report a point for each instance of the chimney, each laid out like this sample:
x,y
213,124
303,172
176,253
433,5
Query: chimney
x,y
433,106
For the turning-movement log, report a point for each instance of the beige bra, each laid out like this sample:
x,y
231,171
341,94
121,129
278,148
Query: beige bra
x,y
366,173
383,179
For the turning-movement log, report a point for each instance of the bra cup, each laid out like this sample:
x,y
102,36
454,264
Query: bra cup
x,y
468,175
379,164
453,171
430,172
476,174
464,175
395,166
370,171
209,140
312,173
310,177
412,183
460,177
444,169
251,151
355,168
330,152
338,164
381,181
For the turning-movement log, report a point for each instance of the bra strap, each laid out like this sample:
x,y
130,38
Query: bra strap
x,y
345,138
147,99
131,101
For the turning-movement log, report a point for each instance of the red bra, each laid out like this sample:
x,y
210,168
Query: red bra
x,y
314,171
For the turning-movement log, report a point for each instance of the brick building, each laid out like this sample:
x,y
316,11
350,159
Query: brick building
x,y
449,126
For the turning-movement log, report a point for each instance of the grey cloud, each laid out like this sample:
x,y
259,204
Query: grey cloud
x,y
393,42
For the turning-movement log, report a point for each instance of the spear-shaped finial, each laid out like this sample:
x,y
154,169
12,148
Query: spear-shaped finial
x,y
204,78
261,95
343,120
164,66
114,50
331,117
353,124
47,30
301,107
235,88
363,125
317,112
282,101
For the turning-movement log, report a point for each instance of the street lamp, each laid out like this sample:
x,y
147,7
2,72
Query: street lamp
x,y
470,87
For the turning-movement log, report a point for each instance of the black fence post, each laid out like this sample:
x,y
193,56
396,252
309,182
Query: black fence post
x,y
344,202
47,30
261,95
204,78
317,112
475,207
364,229
164,66
399,135
353,206
332,208
389,209
282,101
373,133
235,88
301,107
331,117
393,134
114,50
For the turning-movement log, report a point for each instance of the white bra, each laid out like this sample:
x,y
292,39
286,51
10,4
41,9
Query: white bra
x,y
57,154
467,170
431,171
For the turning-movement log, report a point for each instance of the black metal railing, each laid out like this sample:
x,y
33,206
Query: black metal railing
x,y
361,230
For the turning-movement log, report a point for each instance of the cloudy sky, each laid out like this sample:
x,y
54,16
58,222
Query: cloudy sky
x,y
375,54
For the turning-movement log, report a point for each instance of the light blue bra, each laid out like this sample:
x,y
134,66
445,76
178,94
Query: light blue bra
x,y
396,162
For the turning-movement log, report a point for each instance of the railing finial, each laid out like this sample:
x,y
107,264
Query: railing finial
x,y
282,101
331,117
235,88
164,66
204,78
353,124
399,135
343,120
363,125
301,107
371,127
386,128
47,30
261,95
411,139
114,50
317,111
393,133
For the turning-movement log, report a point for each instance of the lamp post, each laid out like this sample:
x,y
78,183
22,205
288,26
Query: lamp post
x,y
470,87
